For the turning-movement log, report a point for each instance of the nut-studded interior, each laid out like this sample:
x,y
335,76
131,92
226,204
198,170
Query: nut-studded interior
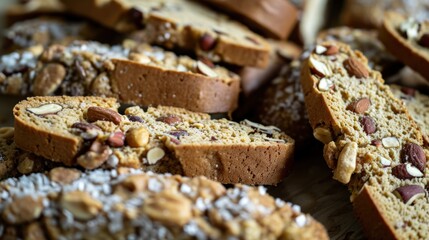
x,y
389,143
100,137
127,203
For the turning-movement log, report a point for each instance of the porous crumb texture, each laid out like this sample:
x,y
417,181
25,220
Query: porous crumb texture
x,y
374,10
130,204
180,24
367,42
407,39
15,162
371,142
89,132
282,104
417,105
134,73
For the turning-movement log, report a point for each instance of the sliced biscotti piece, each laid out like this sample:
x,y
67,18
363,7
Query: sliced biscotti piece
x,y
418,106
15,162
129,204
282,104
408,40
368,43
23,10
274,18
133,73
88,131
180,24
370,140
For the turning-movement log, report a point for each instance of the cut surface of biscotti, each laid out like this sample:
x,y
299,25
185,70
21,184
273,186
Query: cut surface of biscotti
x,y
130,204
15,162
282,104
180,24
408,40
274,18
371,142
368,43
418,106
89,132
133,73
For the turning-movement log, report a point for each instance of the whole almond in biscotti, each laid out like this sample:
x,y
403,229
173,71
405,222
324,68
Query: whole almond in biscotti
x,y
375,146
89,132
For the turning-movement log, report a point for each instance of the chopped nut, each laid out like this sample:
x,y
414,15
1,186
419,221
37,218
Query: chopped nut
x,y
368,125
169,208
135,118
81,205
406,171
170,119
48,79
137,137
319,68
346,163
409,193
178,133
26,165
320,49
410,28
322,134
50,108
262,128
331,50
414,154
424,40
206,70
85,126
325,84
355,68
207,42
64,176
390,142
154,155
23,209
34,231
408,91
116,139
359,106
385,162
103,114
95,157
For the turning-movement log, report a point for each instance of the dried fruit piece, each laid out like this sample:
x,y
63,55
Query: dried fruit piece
x,y
206,70
178,133
346,163
64,175
170,119
50,108
137,137
154,155
81,204
359,106
116,139
325,84
406,171
103,114
415,155
355,68
409,193
95,157
23,209
368,125
390,142
207,42
319,68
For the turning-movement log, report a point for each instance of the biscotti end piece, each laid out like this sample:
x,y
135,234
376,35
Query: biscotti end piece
x,y
89,132
127,203
406,39
182,24
52,139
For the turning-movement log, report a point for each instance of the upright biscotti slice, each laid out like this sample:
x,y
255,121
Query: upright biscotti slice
x,y
274,18
89,132
418,106
407,40
129,204
371,142
133,73
183,24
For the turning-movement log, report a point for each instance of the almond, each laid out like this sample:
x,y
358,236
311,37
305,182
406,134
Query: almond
x,y
103,114
355,68
359,106
406,171
368,125
50,108
318,68
415,155
207,42
206,70
409,193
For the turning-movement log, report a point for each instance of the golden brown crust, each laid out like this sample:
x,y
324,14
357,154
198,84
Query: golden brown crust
x,y
148,85
275,18
365,207
409,52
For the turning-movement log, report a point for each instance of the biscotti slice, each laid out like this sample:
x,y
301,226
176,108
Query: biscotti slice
x,y
408,40
371,142
418,106
274,18
182,24
367,42
88,131
282,104
133,73
129,204
22,10
15,162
